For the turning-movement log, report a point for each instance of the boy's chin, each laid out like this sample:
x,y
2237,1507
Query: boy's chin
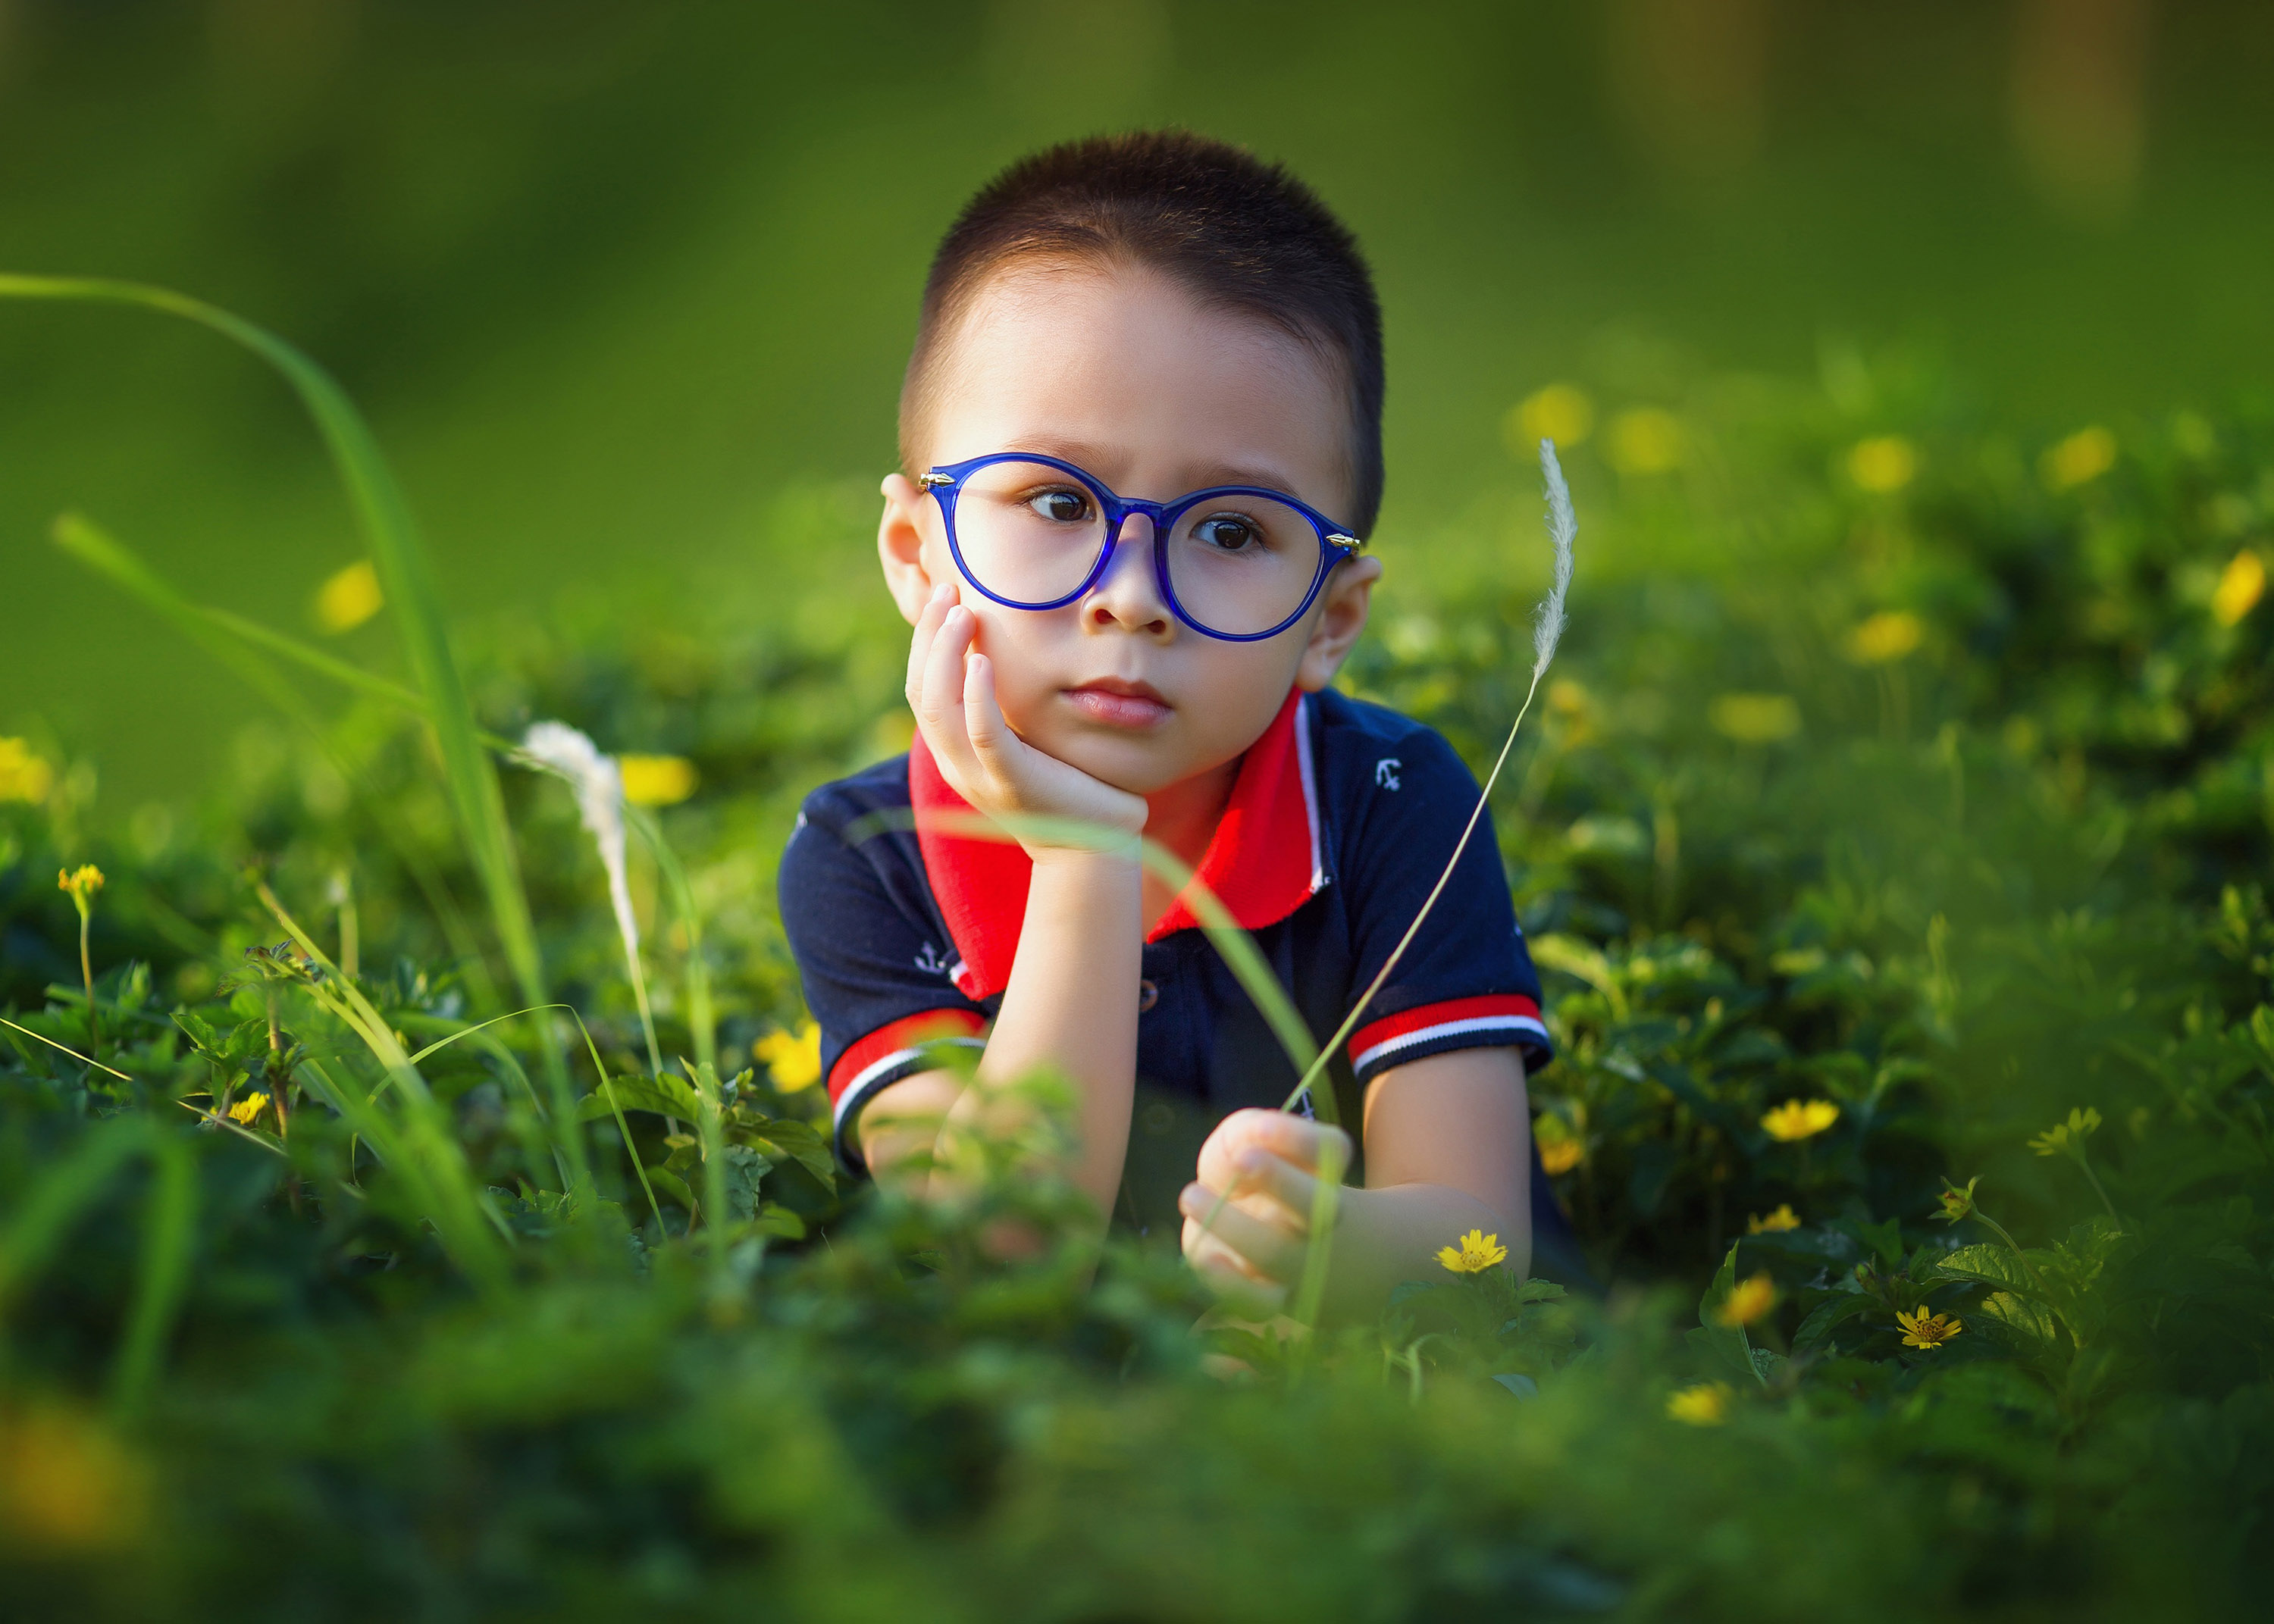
x,y
1140,768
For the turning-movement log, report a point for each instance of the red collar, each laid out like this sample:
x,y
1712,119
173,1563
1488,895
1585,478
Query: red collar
x,y
1265,859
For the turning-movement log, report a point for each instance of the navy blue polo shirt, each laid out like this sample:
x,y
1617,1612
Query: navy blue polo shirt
x,y
1340,820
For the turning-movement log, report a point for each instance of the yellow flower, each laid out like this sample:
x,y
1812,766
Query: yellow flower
x,y
82,882
1882,463
22,776
1783,1218
1477,1252
657,780
2081,1125
1706,1404
349,598
794,1060
1754,719
2083,457
1644,440
248,1108
1800,1119
1560,1149
1887,635
1956,1203
1922,1329
1747,1301
2238,593
1560,412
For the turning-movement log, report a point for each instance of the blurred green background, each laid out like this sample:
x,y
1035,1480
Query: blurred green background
x,y
627,288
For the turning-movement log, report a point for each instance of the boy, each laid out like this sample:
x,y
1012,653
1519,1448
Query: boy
x,y
1110,321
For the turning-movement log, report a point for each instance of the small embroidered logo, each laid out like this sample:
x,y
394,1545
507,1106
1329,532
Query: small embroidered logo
x,y
930,961
1385,771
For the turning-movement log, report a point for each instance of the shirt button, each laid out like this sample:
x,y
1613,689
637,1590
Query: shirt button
x,y
1148,995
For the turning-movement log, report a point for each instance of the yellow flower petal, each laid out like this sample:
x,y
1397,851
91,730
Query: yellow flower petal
x,y
2083,457
1883,464
2239,589
657,780
1561,412
350,597
1887,635
1747,1301
249,1107
1783,1218
22,776
795,1061
1800,1119
1704,1404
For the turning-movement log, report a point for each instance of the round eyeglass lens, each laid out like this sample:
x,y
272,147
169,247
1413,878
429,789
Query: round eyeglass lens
x,y
1242,564
1028,533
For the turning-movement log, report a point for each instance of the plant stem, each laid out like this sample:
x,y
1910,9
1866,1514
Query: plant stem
x,y
1357,1010
2094,1179
1998,1230
86,974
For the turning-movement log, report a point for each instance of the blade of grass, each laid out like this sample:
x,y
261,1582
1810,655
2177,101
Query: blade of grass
x,y
431,1156
406,577
169,1227
700,1021
107,556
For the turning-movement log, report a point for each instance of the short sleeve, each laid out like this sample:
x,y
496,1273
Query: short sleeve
x,y
1467,981
871,954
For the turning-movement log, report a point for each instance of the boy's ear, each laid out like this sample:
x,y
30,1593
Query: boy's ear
x,y
1343,603
900,545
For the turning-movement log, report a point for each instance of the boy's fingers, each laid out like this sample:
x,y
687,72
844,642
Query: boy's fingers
x,y
1293,1139
927,629
982,718
1260,1174
940,710
1242,1293
1265,1247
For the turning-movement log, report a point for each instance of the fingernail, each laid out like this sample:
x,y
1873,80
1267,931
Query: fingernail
x,y
943,592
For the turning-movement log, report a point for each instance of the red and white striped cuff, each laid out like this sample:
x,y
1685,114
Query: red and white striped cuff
x,y
892,1051
1495,1019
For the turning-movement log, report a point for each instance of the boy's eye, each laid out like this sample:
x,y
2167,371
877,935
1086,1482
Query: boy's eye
x,y
1226,533
1060,507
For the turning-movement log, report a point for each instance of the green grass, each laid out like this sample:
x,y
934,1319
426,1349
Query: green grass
x,y
438,1346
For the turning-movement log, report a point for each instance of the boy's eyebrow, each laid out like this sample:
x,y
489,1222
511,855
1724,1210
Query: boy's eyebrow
x,y
1085,455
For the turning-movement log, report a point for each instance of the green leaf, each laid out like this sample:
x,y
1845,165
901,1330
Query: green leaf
x,y
744,1168
1998,1267
783,1140
1726,1343
666,1096
673,1185
2023,1320
1828,1315
780,1222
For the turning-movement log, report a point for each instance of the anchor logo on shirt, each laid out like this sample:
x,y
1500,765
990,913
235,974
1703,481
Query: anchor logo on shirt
x,y
930,961
1385,771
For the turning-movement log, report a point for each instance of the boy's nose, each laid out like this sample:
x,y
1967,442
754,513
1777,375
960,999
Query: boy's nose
x,y
1129,596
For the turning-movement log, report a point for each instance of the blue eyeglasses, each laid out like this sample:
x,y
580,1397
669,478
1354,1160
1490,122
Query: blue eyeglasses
x,y
1232,561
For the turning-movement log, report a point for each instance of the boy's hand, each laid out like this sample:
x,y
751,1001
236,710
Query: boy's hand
x,y
1250,1251
951,690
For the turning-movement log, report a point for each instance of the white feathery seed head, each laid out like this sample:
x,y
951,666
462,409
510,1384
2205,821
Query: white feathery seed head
x,y
1563,530
560,748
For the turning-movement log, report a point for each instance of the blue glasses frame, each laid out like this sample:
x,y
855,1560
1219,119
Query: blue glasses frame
x,y
1336,543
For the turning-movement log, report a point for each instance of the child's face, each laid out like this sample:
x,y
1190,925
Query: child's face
x,y
1122,372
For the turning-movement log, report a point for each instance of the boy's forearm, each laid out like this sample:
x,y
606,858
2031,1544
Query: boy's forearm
x,y
1386,1236
1072,1005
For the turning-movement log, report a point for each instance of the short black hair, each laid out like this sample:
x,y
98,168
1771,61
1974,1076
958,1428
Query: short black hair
x,y
1234,230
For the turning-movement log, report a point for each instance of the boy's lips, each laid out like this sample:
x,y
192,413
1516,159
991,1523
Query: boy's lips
x,y
1112,703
